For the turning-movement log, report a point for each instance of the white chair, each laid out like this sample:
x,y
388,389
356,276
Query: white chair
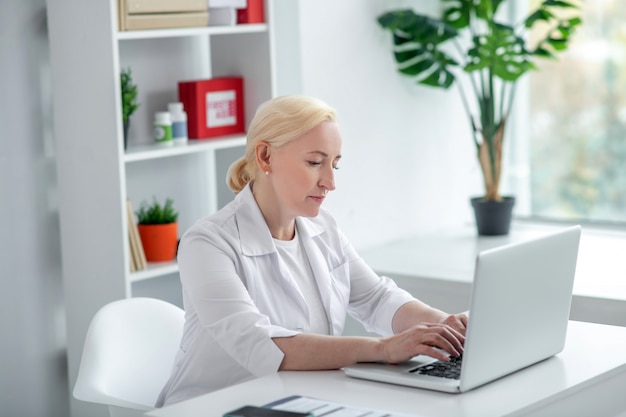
x,y
128,354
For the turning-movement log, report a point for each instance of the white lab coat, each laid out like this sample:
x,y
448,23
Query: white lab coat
x,y
238,295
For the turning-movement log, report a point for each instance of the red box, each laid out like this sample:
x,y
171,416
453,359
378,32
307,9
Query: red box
x,y
253,13
214,107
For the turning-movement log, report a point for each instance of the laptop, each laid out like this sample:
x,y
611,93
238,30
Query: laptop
x,y
518,316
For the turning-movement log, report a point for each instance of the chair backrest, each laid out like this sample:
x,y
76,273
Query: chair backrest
x,y
128,353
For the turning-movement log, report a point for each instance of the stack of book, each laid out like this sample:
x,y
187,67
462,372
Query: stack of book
x,y
161,14
137,256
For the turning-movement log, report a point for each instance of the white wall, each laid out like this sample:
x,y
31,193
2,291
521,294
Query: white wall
x,y
408,167
408,163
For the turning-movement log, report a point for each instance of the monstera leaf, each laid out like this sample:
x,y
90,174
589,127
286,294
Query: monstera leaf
x,y
417,40
494,56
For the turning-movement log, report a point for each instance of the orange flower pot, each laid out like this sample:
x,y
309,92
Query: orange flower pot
x,y
159,241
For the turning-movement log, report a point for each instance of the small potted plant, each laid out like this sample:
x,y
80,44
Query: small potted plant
x,y
129,100
158,229
491,55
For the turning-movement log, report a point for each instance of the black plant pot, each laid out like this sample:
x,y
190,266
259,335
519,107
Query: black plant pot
x,y
493,218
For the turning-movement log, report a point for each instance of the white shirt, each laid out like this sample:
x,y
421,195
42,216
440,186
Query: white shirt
x,y
290,251
238,294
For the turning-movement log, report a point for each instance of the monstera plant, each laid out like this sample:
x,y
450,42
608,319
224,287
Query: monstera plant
x,y
471,40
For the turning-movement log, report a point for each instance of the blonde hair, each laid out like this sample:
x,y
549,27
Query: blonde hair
x,y
277,122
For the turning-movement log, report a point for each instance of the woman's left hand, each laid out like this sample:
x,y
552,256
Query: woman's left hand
x,y
457,321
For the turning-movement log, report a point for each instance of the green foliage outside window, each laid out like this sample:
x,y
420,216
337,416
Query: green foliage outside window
x,y
577,116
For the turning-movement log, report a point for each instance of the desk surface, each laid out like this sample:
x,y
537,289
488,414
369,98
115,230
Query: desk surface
x,y
600,270
587,378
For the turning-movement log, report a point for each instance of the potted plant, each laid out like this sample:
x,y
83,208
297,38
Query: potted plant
x,y
493,55
129,100
158,229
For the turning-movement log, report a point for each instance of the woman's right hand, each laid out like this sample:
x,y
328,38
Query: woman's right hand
x,y
436,340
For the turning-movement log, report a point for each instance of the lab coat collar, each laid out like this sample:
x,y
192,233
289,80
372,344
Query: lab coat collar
x,y
255,237
256,240
318,265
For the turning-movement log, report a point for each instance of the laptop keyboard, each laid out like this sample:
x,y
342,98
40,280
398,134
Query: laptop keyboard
x,y
450,369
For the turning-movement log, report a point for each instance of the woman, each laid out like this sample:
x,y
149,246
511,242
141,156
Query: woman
x,y
268,280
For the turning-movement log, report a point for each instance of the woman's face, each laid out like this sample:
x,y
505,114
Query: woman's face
x,y
303,170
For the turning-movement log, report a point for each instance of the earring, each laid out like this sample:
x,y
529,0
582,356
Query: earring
x,y
267,173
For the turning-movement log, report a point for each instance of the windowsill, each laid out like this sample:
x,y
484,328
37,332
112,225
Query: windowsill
x,y
450,256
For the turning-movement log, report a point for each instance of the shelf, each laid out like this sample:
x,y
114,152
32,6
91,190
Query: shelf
x,y
146,152
155,269
99,174
197,31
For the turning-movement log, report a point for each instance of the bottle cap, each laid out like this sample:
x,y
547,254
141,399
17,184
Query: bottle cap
x,y
162,118
176,107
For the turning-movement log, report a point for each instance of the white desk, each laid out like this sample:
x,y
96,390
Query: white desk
x,y
587,379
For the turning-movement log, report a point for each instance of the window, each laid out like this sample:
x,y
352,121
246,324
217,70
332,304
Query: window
x,y
577,123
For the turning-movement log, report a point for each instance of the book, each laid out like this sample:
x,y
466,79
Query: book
x,y
166,20
164,6
134,253
161,14
138,255
121,15
131,258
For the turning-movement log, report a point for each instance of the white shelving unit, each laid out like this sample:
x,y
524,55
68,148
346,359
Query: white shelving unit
x,y
150,152
146,152
96,174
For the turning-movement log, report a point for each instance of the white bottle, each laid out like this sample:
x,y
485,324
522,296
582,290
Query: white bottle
x,y
179,123
162,128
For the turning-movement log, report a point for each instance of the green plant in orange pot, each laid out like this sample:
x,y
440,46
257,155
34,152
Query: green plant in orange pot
x,y
158,229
